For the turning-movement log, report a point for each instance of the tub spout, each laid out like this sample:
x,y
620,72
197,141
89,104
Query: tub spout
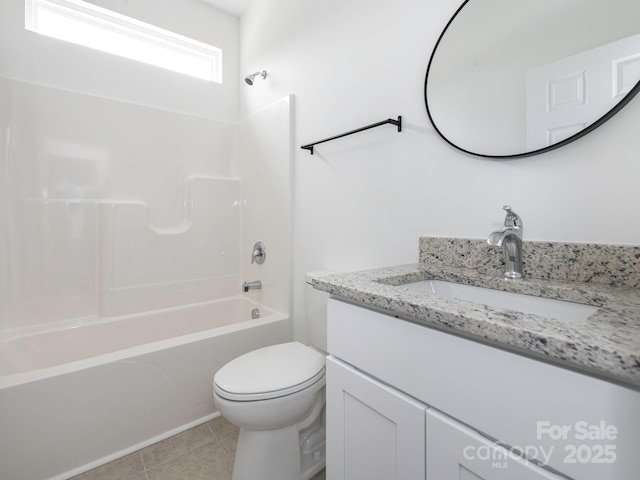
x,y
255,285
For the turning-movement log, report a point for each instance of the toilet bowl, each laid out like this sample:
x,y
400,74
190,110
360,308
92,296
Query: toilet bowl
x,y
276,396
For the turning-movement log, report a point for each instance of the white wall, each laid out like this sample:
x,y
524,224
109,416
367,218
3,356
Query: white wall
x,y
28,56
363,202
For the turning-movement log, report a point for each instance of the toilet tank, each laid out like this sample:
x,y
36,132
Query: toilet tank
x,y
316,309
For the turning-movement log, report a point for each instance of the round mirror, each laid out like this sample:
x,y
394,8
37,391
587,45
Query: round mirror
x,y
512,78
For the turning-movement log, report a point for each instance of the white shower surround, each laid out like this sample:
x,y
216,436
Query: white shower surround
x,y
111,208
119,208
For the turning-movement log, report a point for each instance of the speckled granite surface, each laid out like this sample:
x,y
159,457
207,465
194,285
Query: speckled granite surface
x,y
614,265
606,343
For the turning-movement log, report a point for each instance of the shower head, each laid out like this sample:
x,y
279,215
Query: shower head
x,y
249,79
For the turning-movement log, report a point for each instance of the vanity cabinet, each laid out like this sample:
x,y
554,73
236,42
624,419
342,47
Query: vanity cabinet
x,y
405,401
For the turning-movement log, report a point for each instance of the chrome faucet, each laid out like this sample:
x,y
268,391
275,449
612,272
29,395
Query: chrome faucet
x,y
255,285
510,237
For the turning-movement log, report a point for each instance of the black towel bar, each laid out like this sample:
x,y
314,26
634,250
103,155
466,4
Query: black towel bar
x,y
397,123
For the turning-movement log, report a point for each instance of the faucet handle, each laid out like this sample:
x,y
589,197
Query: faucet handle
x,y
259,253
512,219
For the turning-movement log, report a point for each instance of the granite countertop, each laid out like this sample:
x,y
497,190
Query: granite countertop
x,y
606,344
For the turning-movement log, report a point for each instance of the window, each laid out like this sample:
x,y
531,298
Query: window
x,y
85,24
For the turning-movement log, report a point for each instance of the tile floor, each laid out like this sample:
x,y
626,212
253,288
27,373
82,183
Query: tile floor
x,y
204,452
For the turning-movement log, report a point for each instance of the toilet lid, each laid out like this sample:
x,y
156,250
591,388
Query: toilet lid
x,y
270,372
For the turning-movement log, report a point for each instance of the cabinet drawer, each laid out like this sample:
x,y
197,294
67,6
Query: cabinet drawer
x,y
455,452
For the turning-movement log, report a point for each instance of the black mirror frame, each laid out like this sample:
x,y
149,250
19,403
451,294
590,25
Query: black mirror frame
x,y
619,106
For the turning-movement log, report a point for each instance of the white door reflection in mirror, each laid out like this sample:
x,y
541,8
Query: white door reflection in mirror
x,y
567,95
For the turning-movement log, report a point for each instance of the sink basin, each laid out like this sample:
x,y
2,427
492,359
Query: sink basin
x,y
545,307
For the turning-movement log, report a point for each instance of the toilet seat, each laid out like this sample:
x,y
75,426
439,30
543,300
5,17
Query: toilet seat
x,y
270,372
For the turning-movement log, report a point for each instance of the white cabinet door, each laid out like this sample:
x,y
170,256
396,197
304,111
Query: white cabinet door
x,y
374,432
455,452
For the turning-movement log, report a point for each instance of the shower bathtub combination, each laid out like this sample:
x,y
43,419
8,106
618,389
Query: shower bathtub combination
x,y
125,236
124,353
75,398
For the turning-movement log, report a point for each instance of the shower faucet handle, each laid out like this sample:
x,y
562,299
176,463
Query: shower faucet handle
x,y
259,253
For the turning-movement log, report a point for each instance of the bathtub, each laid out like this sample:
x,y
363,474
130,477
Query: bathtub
x,y
73,399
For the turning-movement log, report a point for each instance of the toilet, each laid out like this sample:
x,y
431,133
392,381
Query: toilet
x,y
276,396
